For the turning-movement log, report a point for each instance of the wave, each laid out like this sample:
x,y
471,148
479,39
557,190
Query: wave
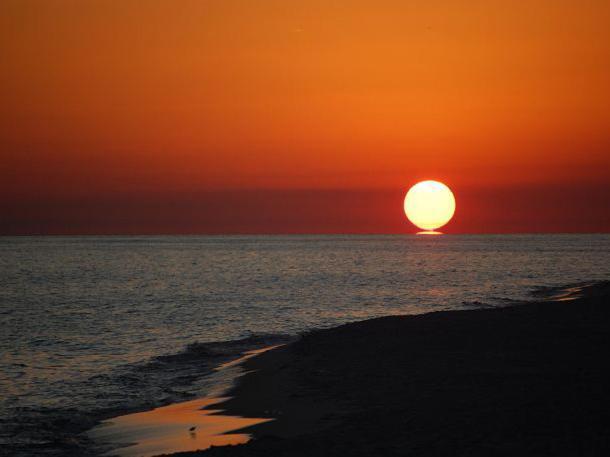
x,y
565,292
220,349
52,431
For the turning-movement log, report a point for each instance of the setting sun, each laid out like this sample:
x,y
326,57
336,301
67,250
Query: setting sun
x,y
429,205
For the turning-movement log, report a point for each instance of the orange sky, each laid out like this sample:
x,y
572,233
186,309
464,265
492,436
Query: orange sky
x,y
284,116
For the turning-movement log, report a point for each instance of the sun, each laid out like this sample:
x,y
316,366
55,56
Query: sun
x,y
429,205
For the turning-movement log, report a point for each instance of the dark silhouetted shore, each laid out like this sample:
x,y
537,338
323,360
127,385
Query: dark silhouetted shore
x,y
520,381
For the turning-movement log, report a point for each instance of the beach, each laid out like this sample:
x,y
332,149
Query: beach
x,y
304,228
529,379
146,321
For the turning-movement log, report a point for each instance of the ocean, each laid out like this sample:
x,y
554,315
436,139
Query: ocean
x,y
94,326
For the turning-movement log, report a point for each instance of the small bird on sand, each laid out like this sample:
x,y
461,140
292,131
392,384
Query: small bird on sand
x,y
192,429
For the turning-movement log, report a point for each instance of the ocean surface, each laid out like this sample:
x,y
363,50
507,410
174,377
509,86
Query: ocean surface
x,y
94,326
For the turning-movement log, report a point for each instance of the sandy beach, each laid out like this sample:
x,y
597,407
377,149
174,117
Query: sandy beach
x,y
524,380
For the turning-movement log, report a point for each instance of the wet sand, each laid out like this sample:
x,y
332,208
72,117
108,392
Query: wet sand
x,y
527,380
184,426
168,429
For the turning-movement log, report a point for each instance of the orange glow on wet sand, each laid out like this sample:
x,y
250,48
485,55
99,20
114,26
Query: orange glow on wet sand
x,y
166,429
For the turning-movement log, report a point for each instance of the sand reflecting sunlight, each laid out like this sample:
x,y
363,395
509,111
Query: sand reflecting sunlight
x,y
167,429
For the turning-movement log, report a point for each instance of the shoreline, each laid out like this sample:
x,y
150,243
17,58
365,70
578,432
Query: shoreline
x,y
149,432
524,379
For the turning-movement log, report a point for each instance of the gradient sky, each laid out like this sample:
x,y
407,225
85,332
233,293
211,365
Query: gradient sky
x,y
261,116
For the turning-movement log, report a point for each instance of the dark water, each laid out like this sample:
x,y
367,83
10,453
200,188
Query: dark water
x,y
93,326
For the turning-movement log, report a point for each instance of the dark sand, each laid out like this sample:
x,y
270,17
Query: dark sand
x,y
527,380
